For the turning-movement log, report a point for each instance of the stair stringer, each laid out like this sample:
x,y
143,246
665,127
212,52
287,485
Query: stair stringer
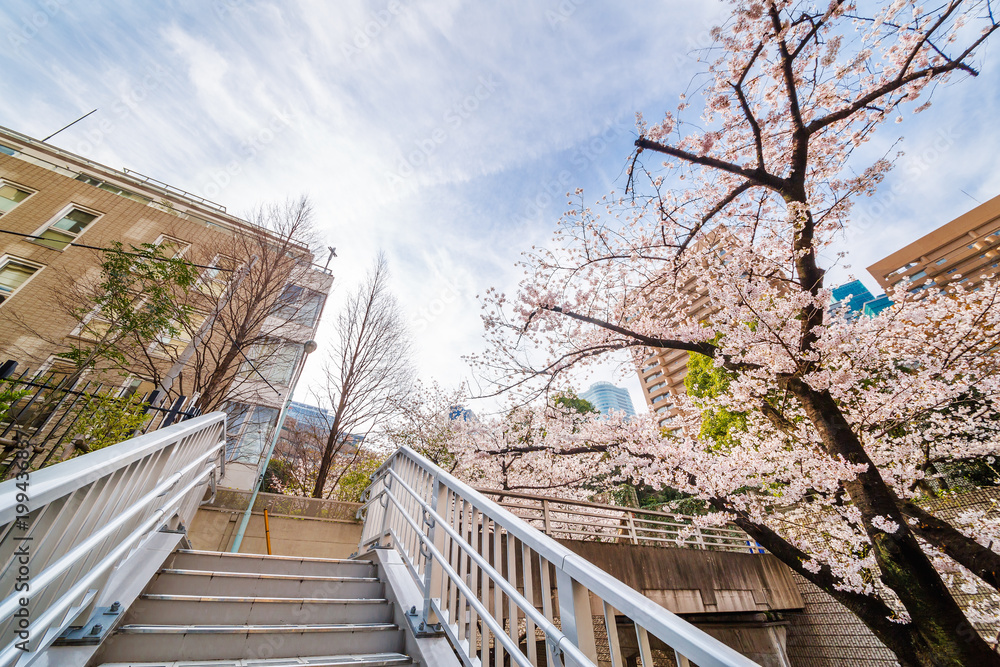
x,y
403,593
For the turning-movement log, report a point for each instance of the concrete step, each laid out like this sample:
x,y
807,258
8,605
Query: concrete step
x,y
370,660
248,584
168,643
159,609
186,559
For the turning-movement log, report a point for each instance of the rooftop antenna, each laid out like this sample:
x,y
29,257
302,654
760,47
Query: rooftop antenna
x,y
333,253
65,126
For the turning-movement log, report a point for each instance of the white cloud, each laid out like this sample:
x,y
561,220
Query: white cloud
x,y
486,112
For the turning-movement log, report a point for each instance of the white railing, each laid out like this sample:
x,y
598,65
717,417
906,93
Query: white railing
x,y
579,520
64,529
496,586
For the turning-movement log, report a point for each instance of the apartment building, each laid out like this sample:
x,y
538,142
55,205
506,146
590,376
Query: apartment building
x,y
963,250
57,210
662,372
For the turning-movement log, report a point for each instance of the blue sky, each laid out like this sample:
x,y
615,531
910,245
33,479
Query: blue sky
x,y
444,132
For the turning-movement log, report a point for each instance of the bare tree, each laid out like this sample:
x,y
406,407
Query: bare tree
x,y
249,310
368,369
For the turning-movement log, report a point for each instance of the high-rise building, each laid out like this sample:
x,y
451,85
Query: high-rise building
x,y
607,397
963,250
59,209
853,299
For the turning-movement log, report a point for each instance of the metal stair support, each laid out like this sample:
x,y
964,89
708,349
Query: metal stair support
x,y
210,608
483,574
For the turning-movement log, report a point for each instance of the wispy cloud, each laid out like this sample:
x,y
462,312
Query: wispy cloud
x,y
445,132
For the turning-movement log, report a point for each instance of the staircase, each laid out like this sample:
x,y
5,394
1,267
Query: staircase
x,y
447,577
219,609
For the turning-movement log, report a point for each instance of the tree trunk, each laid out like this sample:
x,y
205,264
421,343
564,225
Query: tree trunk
x,y
209,398
942,633
980,560
332,447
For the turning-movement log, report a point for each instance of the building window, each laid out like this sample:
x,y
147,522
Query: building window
x,y
13,274
172,248
55,372
656,386
65,229
11,196
215,279
941,261
138,387
248,431
659,398
299,305
273,361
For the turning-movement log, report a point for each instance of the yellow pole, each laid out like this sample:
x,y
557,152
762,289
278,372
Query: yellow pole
x,y
267,532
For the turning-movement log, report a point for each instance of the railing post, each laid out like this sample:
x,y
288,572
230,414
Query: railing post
x,y
631,528
432,571
575,614
547,517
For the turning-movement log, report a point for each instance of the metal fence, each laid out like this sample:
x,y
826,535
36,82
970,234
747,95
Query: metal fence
x,y
485,574
63,530
42,425
281,505
580,520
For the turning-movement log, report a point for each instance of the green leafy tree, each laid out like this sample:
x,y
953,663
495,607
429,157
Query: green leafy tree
x,y
107,420
706,380
134,302
357,478
570,401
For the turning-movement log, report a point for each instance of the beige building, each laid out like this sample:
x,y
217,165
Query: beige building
x,y
662,372
58,209
964,249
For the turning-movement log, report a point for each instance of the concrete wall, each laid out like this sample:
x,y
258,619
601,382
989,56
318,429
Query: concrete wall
x,y
213,529
692,581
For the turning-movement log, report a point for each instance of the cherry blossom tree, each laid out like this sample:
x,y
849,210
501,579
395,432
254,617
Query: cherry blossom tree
x,y
716,250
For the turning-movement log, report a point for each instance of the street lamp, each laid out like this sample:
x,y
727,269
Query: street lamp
x,y
308,348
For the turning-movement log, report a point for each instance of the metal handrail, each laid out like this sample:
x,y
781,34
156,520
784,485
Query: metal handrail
x,y
467,554
578,519
71,524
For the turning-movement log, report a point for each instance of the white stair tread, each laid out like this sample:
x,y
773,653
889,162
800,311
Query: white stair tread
x,y
252,629
238,598
310,559
366,660
257,575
